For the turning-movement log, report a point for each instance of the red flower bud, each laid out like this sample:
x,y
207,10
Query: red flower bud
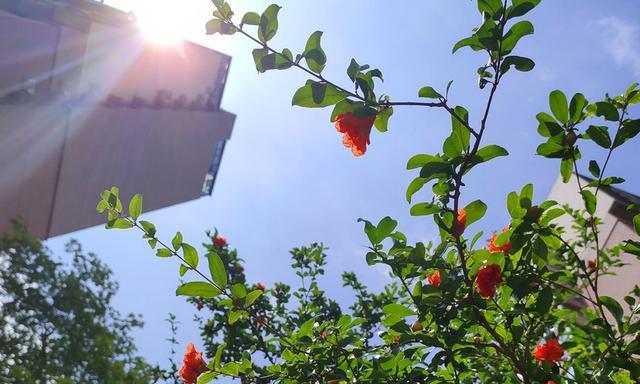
x,y
199,305
591,264
488,277
356,130
193,365
571,138
534,213
460,223
219,241
261,286
417,327
551,351
434,278
261,321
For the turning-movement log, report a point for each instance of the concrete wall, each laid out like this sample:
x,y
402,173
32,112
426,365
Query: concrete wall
x,y
55,161
30,150
27,51
57,153
612,232
162,154
123,63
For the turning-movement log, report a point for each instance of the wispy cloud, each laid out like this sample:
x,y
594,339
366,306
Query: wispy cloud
x,y
622,40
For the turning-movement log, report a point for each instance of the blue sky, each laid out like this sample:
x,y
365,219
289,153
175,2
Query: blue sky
x,y
286,180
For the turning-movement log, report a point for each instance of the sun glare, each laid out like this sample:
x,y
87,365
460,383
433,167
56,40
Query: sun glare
x,y
161,21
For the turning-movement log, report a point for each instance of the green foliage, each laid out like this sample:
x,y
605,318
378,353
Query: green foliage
x,y
454,311
57,322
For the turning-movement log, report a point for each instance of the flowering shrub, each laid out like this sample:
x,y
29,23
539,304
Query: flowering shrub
x,y
503,313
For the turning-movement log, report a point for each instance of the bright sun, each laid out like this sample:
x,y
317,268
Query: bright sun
x,y
161,21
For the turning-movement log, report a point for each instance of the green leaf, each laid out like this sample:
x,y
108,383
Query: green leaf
x,y
489,152
233,317
590,201
148,227
120,223
566,169
517,31
606,181
197,289
386,227
317,95
271,61
613,306
604,109
314,55
577,105
600,135
176,242
521,7
475,211
183,269
472,42
217,270
594,168
164,252
429,93
462,133
102,206
436,169
419,161
522,64
190,255
551,149
491,7
370,230
513,206
354,68
382,119
414,187
252,297
629,129
250,18
397,309
347,106
135,206
545,300
238,291
547,125
558,104
268,23
424,209
207,377
636,223
214,26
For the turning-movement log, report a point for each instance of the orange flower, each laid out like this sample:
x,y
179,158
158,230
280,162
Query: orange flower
x,y
357,130
219,241
461,222
551,351
487,279
192,365
551,382
434,279
504,248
